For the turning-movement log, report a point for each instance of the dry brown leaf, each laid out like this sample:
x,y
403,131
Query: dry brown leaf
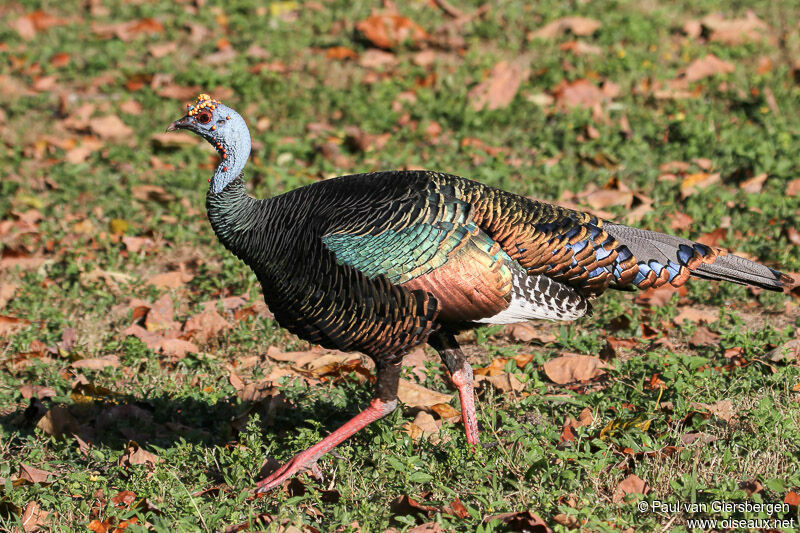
x,y
735,31
424,425
704,337
97,363
173,139
11,324
502,382
58,422
602,198
569,368
136,455
160,316
7,291
205,325
500,86
257,391
793,187
722,409
170,280
703,438
704,67
111,128
754,184
389,30
446,412
34,475
695,315
177,347
580,26
632,484
580,93
697,181
152,193
580,48
789,351
414,395
528,333
36,391
34,518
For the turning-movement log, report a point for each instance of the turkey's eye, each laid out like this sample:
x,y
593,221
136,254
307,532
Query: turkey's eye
x,y
204,118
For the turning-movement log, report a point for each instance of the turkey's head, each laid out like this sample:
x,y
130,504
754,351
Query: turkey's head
x,y
225,129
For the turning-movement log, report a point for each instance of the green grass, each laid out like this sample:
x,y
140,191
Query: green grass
x,y
185,410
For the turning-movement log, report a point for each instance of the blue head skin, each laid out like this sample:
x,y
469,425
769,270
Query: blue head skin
x,y
226,130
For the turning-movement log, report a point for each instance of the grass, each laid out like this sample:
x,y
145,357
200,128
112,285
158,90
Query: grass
x,y
186,411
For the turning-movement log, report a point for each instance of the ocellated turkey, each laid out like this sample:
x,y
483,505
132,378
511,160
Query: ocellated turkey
x,y
382,262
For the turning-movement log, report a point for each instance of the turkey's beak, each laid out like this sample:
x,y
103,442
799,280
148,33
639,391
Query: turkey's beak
x,y
179,124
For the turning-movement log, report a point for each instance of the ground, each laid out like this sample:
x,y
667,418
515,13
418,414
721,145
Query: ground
x,y
143,383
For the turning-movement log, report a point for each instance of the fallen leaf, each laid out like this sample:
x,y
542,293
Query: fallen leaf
x,y
110,127
427,527
97,363
340,52
58,422
751,486
754,184
177,347
424,425
36,391
34,518
735,31
414,395
580,48
160,315
152,193
697,181
793,187
526,521
570,368
693,314
789,351
456,508
580,93
502,382
701,68
123,499
135,455
11,324
632,484
205,325
170,280
34,475
792,498
704,337
389,30
723,409
500,86
526,332
703,438
7,291
580,26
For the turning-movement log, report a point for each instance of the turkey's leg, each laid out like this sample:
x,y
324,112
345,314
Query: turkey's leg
x,y
461,375
383,403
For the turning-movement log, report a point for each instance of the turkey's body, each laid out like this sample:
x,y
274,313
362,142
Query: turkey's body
x,y
379,263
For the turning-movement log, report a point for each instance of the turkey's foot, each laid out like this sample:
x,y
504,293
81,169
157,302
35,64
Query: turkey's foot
x,y
462,379
307,459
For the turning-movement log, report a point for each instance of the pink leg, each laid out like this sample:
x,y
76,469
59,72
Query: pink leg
x,y
377,409
461,375
462,379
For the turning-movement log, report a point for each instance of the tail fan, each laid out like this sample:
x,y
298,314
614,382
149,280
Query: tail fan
x,y
665,259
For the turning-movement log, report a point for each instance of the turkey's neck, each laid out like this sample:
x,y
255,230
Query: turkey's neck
x,y
234,215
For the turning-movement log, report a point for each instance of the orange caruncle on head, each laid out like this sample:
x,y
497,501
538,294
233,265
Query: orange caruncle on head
x,y
203,101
